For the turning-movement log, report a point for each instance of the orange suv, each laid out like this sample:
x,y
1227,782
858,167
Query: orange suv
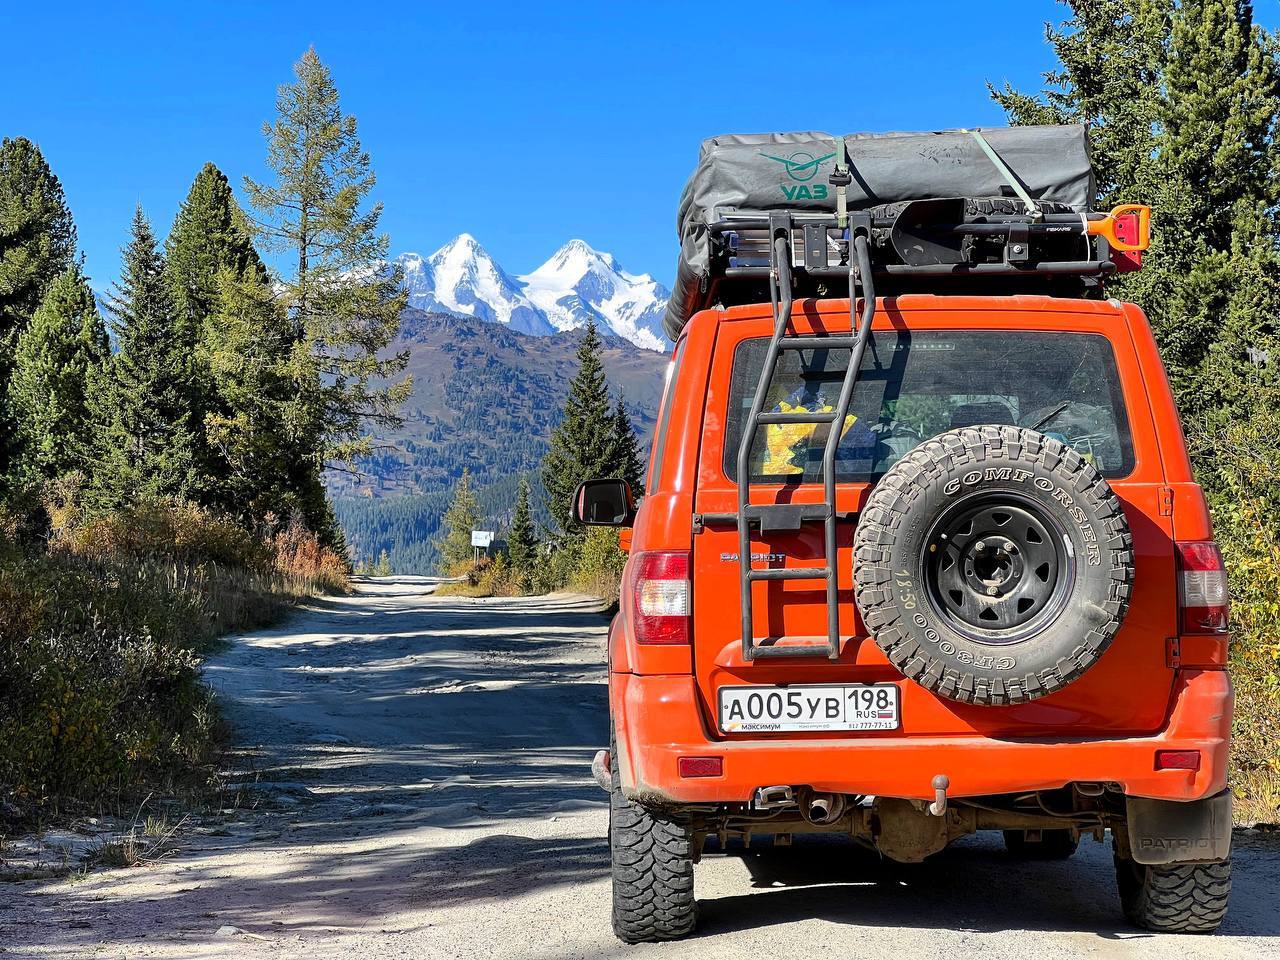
x,y
919,561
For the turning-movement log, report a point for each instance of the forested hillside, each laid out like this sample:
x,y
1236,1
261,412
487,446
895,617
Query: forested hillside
x,y
485,397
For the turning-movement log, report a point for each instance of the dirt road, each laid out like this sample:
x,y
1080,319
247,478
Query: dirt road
x,y
422,767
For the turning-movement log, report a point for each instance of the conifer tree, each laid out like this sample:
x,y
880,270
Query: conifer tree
x,y
582,444
210,234
627,461
1183,101
460,519
522,543
245,350
37,243
342,298
37,234
1192,87
144,445
209,254
61,351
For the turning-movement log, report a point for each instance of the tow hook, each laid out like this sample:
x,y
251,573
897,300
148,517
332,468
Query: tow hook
x,y
940,784
602,770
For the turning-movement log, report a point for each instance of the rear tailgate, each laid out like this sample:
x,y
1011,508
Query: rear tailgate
x,y
909,390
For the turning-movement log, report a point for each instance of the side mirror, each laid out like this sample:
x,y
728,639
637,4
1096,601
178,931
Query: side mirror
x,y
604,503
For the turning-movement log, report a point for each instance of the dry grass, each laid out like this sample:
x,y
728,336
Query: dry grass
x,y
101,635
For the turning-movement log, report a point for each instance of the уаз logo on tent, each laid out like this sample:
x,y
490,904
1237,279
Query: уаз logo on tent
x,y
801,167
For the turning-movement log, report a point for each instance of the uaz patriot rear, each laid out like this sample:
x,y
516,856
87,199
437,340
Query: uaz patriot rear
x,y
921,553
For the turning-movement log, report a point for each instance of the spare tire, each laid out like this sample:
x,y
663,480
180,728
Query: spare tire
x,y
993,565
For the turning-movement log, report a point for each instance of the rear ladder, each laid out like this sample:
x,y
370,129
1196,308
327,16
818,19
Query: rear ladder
x,y
857,236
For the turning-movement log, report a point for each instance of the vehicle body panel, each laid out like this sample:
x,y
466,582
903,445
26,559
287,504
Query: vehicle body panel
x,y
1102,727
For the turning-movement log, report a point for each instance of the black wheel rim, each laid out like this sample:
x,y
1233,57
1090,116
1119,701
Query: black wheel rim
x,y
998,568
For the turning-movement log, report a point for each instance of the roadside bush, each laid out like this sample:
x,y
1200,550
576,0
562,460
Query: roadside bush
x,y
600,563
101,636
1245,500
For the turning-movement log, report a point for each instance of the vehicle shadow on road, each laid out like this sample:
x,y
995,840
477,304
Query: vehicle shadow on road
x,y
973,885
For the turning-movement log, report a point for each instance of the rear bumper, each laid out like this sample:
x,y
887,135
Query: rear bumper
x,y
658,720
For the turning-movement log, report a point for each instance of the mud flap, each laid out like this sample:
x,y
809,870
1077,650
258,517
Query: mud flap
x,y
1171,831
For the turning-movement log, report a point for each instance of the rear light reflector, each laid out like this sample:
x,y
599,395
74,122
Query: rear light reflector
x,y
660,590
1177,759
700,766
1202,588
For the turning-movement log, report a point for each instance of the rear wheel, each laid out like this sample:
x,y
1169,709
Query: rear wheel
x,y
651,856
1041,844
1176,897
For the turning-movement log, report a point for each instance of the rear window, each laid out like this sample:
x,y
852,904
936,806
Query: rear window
x,y
917,384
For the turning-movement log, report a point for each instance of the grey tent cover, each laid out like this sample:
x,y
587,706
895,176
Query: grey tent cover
x,y
790,171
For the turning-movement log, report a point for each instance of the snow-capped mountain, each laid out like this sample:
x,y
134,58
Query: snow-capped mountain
x,y
462,278
576,284
579,283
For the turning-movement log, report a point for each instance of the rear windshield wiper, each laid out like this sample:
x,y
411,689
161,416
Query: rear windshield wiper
x,y
1049,416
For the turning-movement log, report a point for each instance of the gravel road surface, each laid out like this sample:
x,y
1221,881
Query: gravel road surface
x,y
422,791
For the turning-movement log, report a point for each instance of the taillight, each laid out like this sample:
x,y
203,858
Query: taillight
x,y
1202,587
660,596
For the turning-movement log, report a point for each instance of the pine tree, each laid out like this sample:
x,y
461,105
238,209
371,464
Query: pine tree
x,y
60,352
210,234
626,460
37,243
1183,100
145,447
245,350
582,444
209,256
37,234
459,520
1195,92
343,299
522,543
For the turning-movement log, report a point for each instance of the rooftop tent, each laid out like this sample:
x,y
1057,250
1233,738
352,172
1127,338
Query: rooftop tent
x,y
758,173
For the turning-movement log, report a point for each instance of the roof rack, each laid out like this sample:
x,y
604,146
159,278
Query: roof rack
x,y
936,238
925,238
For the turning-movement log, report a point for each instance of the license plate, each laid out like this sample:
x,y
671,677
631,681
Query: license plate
x,y
806,708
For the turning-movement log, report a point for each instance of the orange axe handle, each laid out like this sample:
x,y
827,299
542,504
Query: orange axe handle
x,y
1105,226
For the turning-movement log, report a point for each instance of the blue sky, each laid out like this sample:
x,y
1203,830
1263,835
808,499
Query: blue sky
x,y
524,124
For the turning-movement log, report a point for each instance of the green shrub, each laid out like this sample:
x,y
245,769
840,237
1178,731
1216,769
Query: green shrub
x,y
600,563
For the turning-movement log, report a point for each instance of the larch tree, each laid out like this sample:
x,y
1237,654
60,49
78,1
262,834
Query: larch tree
x,y
342,298
244,350
144,440
62,350
582,444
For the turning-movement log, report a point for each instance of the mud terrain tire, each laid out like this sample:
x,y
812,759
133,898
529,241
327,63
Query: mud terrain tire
x,y
1052,845
1176,897
651,857
946,602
